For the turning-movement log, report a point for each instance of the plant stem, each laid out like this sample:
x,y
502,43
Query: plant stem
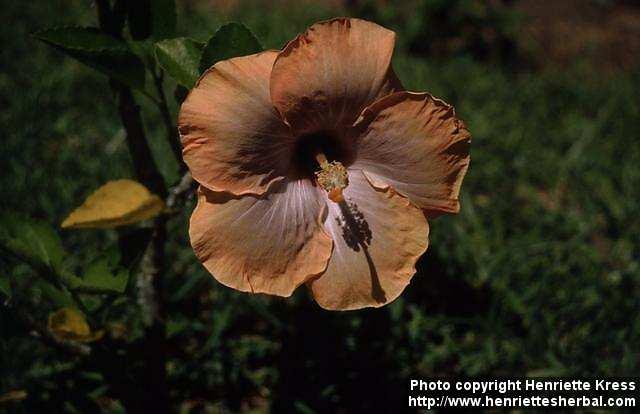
x,y
143,163
179,193
151,292
153,394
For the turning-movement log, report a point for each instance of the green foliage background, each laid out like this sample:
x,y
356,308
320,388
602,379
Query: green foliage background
x,y
537,276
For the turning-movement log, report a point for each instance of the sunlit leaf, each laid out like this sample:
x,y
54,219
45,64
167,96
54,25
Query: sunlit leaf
x,y
180,59
30,240
99,277
152,18
117,203
70,280
96,49
231,40
70,324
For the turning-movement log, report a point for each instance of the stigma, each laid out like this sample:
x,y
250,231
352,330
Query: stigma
x,y
332,177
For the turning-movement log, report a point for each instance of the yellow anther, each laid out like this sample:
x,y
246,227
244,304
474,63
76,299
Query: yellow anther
x,y
332,177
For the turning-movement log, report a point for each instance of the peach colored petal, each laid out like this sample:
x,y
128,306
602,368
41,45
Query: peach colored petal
x,y
233,139
269,244
376,245
414,143
325,77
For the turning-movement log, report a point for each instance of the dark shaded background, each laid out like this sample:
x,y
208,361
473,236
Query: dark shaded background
x,y
537,276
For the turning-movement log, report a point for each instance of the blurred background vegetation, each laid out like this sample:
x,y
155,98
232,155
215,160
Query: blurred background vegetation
x,y
538,275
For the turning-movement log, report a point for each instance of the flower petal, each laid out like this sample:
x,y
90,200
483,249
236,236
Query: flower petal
x,y
269,244
378,237
414,143
325,77
233,139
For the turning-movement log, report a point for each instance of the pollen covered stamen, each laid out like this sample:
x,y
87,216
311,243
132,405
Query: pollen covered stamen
x,y
332,177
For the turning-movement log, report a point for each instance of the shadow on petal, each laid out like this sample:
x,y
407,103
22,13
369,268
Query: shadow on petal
x,y
357,235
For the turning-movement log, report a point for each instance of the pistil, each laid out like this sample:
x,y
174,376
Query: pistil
x,y
332,176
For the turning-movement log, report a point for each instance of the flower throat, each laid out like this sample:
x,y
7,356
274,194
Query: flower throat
x,y
313,154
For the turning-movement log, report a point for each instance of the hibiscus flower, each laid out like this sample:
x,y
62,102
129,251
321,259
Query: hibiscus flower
x,y
316,167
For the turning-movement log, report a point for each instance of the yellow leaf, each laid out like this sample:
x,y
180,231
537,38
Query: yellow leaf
x,y
16,395
118,330
117,203
70,324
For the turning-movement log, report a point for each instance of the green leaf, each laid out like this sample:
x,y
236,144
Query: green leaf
x,y
100,277
53,295
70,280
180,59
231,40
98,50
145,50
88,39
223,319
34,242
91,303
163,19
152,18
